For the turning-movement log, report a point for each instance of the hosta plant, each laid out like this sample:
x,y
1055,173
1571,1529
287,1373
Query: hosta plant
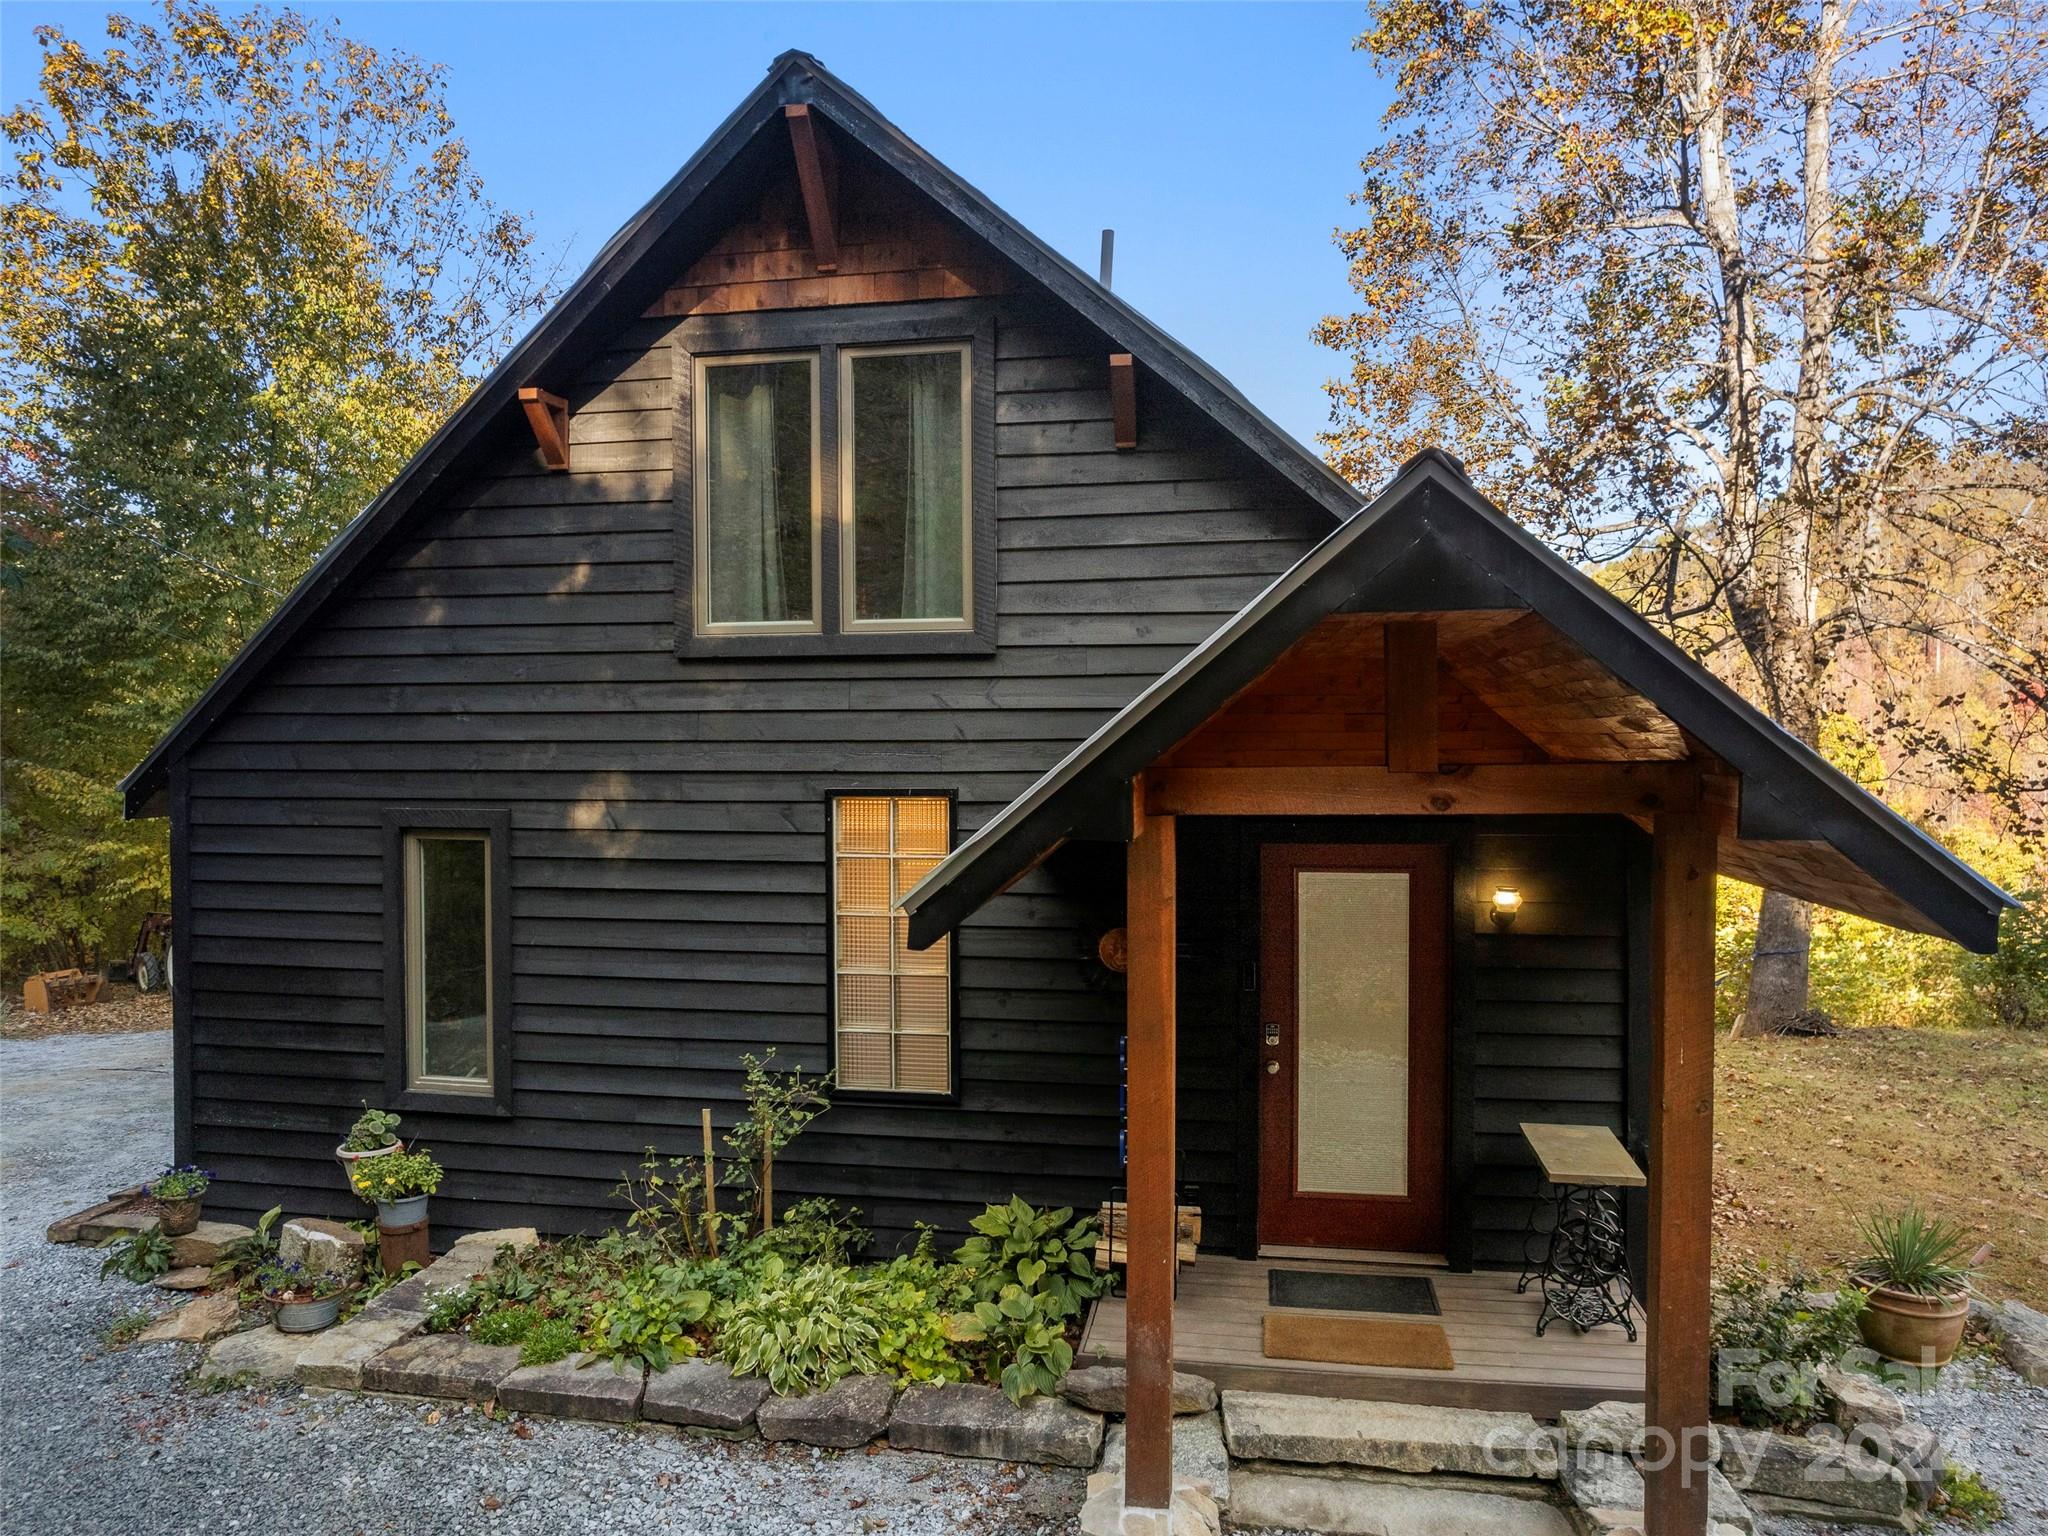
x,y
648,1318
1040,1252
805,1329
1025,1335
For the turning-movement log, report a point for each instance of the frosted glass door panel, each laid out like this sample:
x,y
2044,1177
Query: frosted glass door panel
x,y
1351,969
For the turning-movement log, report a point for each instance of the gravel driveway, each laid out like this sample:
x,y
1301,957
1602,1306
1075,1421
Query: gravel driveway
x,y
95,1440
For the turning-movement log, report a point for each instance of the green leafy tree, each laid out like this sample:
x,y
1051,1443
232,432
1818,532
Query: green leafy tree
x,y
1745,301
246,267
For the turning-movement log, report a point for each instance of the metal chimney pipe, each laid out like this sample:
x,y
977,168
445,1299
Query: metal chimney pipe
x,y
1108,254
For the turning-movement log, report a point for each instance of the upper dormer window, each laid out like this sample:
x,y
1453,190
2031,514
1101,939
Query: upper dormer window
x,y
757,495
904,413
835,479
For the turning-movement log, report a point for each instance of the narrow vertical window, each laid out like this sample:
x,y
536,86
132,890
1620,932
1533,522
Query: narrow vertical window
x,y
894,1027
904,444
757,495
448,988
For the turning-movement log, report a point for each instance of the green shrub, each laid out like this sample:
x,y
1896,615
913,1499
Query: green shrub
x,y
1025,1334
812,1232
1770,1340
649,1317
138,1256
914,1296
1039,1252
804,1329
549,1340
506,1325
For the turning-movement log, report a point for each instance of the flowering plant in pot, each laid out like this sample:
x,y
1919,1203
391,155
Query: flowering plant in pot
x,y
305,1300
178,1192
1915,1273
398,1185
375,1134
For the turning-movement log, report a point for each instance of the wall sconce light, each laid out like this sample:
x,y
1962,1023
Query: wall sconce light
x,y
1507,901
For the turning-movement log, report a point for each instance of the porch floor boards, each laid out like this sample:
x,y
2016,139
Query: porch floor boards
x,y
1501,1363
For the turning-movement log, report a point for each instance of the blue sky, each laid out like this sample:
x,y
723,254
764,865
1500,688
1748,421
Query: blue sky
x,y
1220,141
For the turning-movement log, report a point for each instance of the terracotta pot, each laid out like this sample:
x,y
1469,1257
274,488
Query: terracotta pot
x,y
174,1218
1913,1330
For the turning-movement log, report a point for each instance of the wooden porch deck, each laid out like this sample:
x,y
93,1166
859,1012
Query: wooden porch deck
x,y
1501,1363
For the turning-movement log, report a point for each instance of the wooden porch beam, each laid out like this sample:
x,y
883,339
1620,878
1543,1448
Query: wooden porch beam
x,y
1123,400
1533,789
548,416
817,178
1411,695
1149,921
1681,1173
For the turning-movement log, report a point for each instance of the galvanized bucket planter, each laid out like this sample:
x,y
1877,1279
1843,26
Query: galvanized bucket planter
x,y
307,1316
407,1212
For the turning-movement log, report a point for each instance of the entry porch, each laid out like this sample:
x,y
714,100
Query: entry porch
x,y
1499,1362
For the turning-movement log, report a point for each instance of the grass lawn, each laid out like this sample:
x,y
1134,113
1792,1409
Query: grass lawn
x,y
1810,1133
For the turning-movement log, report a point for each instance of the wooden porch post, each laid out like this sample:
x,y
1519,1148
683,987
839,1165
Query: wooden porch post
x,y
1149,1086
1681,1172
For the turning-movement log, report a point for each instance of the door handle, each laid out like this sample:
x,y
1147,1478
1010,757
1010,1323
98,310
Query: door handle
x,y
1272,1067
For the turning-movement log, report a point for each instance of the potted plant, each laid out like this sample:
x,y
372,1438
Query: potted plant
x,y
1916,1279
178,1192
398,1185
305,1301
375,1134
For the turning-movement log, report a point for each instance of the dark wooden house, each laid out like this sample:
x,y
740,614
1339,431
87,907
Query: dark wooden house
x,y
832,629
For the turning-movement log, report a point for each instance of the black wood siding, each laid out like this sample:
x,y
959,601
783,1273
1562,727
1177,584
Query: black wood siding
x,y
1544,1019
668,845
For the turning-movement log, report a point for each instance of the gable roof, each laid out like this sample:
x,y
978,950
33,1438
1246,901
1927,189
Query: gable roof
x,y
631,271
1431,540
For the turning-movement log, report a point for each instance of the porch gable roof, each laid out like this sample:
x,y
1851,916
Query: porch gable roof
x,y
1429,541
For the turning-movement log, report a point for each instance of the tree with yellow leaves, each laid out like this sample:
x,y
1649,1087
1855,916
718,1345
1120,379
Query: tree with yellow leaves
x,y
1744,302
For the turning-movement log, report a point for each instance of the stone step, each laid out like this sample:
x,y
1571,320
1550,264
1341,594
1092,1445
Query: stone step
x,y
965,1420
1350,1503
1394,1437
1606,1491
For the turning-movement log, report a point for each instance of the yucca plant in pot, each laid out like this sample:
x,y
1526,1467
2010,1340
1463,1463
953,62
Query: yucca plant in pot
x,y
305,1300
1915,1273
178,1193
375,1134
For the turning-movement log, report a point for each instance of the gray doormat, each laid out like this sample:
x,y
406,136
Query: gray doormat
x,y
1323,1291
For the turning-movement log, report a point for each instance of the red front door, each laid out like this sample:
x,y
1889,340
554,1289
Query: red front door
x,y
1351,1091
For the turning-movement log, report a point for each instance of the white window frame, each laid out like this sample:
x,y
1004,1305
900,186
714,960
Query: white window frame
x,y
849,624
416,1079
839,971
700,430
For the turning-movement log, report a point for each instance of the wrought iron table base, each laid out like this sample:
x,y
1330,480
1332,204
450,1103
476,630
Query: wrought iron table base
x,y
1583,1269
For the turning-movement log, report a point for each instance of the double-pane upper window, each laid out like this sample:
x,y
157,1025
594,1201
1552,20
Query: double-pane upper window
x,y
904,440
900,442
757,494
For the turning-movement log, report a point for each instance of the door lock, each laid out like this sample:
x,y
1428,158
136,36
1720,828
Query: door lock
x,y
1272,1067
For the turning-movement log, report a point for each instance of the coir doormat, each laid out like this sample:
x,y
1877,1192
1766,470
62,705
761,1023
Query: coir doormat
x,y
1324,1291
1358,1341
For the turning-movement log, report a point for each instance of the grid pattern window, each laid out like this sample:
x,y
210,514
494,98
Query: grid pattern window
x,y
448,999
895,1004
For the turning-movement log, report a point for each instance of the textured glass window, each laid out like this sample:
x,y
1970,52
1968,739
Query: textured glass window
x,y
894,1022
448,961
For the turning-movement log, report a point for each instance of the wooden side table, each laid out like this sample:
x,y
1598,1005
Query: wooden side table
x,y
1583,1269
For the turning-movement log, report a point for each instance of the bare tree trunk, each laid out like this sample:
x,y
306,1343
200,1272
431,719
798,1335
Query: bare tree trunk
x,y
1779,969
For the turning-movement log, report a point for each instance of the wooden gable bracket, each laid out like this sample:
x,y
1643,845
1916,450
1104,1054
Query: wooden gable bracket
x,y
817,176
548,415
1123,399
